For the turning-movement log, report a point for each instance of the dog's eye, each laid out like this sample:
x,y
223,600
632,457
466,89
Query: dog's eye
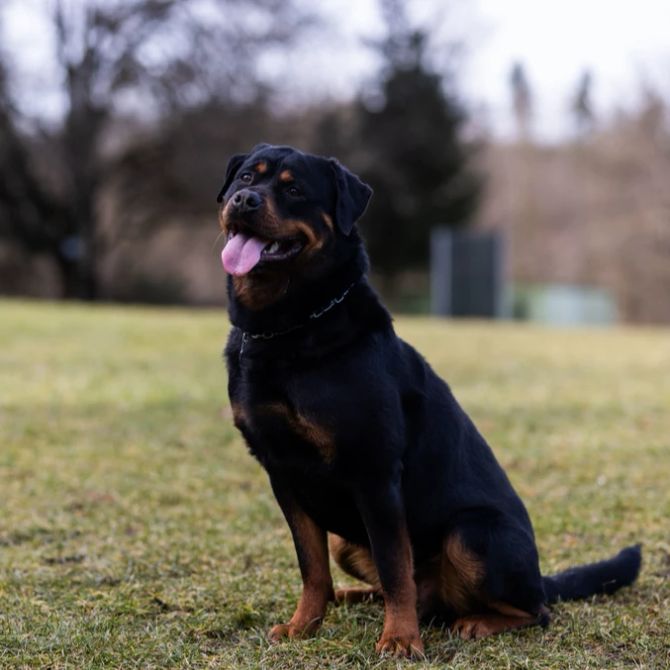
x,y
246,177
293,191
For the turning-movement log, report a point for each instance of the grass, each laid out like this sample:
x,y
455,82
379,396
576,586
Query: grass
x,y
136,532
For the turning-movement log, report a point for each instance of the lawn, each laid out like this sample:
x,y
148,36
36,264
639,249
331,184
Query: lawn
x,y
136,531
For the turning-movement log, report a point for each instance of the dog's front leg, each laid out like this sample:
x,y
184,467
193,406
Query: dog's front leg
x,y
382,510
311,546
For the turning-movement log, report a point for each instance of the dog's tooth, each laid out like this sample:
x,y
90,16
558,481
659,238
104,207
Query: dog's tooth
x,y
273,247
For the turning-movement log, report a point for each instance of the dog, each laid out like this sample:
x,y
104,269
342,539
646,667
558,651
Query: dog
x,y
368,453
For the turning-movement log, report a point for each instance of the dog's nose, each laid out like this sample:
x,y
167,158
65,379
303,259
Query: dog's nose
x,y
247,200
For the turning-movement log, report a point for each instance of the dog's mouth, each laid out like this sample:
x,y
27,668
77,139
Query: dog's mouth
x,y
244,251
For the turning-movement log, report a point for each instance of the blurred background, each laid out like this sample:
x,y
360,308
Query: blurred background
x,y
519,151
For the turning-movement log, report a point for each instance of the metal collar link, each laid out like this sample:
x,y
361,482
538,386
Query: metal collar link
x,y
331,304
268,335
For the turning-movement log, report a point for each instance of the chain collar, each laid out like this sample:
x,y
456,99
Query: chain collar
x,y
270,335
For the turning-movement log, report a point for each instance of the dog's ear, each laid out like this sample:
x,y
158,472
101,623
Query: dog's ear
x,y
231,170
353,197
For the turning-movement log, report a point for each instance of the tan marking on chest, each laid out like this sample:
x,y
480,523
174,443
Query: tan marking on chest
x,y
305,428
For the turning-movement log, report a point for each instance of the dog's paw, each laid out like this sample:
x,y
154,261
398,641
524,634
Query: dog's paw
x,y
400,646
476,626
292,631
279,632
472,628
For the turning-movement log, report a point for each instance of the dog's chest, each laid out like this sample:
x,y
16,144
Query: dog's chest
x,y
283,419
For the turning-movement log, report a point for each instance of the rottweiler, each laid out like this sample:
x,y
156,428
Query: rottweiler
x,y
368,453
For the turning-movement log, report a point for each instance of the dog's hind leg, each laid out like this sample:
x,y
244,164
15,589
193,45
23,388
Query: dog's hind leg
x,y
490,577
357,562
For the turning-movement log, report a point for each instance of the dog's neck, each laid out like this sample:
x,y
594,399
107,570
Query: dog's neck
x,y
296,303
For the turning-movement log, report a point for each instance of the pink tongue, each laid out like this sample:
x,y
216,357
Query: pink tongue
x,y
241,254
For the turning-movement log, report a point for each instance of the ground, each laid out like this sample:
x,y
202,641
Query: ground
x,y
136,531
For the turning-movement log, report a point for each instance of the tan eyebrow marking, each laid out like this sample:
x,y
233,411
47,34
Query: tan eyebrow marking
x,y
285,175
261,167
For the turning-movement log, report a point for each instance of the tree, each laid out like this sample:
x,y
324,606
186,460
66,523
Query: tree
x,y
522,101
29,213
582,103
414,157
147,58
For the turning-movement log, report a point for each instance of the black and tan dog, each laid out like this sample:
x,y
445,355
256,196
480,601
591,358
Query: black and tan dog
x,y
366,448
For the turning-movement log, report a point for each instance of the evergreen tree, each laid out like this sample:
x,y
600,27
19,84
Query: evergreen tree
x,y
412,152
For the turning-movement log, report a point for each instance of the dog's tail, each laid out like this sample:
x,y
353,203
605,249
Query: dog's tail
x,y
605,577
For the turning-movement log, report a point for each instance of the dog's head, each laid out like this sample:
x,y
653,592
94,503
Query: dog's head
x,y
287,214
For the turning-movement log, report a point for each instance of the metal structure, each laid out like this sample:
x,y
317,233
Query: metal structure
x,y
466,273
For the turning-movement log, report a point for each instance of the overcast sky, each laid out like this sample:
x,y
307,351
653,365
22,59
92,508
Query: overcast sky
x,y
622,42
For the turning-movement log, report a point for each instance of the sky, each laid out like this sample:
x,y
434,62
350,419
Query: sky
x,y
622,42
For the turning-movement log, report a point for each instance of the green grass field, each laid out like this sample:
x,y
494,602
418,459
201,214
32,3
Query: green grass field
x,y
136,531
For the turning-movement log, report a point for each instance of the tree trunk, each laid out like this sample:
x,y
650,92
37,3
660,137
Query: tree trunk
x,y
87,280
78,275
69,274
